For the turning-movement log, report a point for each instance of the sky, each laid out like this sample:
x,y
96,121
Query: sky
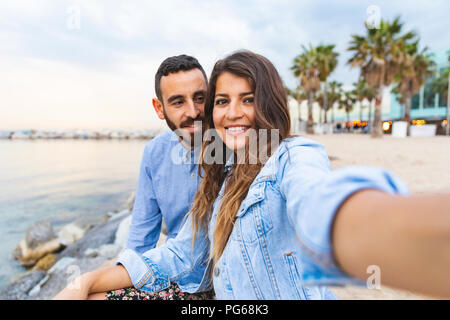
x,y
90,64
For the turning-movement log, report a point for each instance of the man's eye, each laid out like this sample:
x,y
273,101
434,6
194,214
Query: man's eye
x,y
199,99
177,103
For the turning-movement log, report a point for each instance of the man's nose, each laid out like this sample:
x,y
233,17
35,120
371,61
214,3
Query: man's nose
x,y
192,110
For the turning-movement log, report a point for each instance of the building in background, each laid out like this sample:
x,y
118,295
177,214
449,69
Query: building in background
x,y
426,106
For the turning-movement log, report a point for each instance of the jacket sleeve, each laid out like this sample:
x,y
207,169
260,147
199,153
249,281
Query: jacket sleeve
x,y
146,218
313,194
179,260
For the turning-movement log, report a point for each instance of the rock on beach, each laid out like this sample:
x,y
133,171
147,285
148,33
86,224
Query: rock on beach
x,y
78,248
99,235
73,232
39,241
18,289
45,263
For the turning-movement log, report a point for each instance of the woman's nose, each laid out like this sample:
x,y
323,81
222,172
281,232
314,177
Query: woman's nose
x,y
234,110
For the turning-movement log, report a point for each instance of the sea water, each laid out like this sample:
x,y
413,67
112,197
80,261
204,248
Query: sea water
x,y
60,181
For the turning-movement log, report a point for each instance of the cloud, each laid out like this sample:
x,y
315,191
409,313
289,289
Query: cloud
x,y
49,94
102,72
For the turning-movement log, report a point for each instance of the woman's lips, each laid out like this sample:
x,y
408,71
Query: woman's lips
x,y
236,130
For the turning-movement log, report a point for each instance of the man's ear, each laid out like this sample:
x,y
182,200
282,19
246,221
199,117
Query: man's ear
x,y
157,104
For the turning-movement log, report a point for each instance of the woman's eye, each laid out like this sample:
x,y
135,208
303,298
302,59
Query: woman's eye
x,y
220,102
249,100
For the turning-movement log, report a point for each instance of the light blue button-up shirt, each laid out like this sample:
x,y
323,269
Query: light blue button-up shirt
x,y
168,181
280,246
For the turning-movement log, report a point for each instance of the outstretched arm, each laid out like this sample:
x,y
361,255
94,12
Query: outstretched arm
x,y
408,238
178,260
352,218
100,280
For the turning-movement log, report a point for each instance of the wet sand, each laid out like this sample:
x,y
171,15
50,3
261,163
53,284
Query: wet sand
x,y
423,163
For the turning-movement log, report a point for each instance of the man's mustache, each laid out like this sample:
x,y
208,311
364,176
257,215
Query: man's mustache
x,y
189,122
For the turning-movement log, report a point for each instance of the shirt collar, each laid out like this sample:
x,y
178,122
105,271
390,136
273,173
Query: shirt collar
x,y
186,154
191,156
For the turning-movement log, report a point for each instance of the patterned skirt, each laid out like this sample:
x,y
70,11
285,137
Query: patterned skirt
x,y
173,292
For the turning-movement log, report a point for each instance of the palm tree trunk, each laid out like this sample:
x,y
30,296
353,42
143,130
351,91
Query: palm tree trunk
x,y
407,116
377,131
369,123
325,99
320,114
447,129
332,114
360,111
310,123
299,118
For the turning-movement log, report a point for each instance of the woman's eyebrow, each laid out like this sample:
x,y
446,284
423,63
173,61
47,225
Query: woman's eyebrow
x,y
221,94
241,94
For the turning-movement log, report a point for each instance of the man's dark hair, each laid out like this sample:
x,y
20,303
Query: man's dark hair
x,y
174,65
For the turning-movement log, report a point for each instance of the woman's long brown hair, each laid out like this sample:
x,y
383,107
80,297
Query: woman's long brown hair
x,y
271,112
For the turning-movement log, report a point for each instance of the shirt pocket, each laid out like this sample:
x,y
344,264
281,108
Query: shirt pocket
x,y
295,278
253,220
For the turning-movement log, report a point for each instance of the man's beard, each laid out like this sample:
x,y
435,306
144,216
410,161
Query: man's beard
x,y
186,138
170,124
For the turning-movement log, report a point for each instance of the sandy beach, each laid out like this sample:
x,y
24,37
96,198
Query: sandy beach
x,y
423,163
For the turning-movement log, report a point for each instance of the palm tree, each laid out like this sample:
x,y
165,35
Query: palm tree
x,y
378,54
414,69
327,62
441,85
299,95
320,100
333,94
370,96
363,91
359,92
306,66
347,102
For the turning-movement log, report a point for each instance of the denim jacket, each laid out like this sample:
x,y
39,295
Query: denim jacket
x,y
280,245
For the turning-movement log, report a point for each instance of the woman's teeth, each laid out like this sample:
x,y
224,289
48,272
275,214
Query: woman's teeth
x,y
236,128
234,131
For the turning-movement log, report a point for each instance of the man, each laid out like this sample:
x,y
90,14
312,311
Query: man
x,y
167,185
168,178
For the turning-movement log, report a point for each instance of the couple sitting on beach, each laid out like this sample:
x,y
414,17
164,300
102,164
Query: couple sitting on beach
x,y
253,212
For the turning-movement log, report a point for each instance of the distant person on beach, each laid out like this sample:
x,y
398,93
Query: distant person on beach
x,y
286,226
166,187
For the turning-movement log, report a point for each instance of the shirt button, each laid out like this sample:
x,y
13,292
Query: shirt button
x,y
193,175
216,271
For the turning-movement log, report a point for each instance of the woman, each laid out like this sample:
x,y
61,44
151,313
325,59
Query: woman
x,y
283,228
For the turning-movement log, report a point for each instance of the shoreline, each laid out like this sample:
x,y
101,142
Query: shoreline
x,y
80,134
83,251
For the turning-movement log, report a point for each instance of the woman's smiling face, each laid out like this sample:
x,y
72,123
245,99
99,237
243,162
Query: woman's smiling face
x,y
234,111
